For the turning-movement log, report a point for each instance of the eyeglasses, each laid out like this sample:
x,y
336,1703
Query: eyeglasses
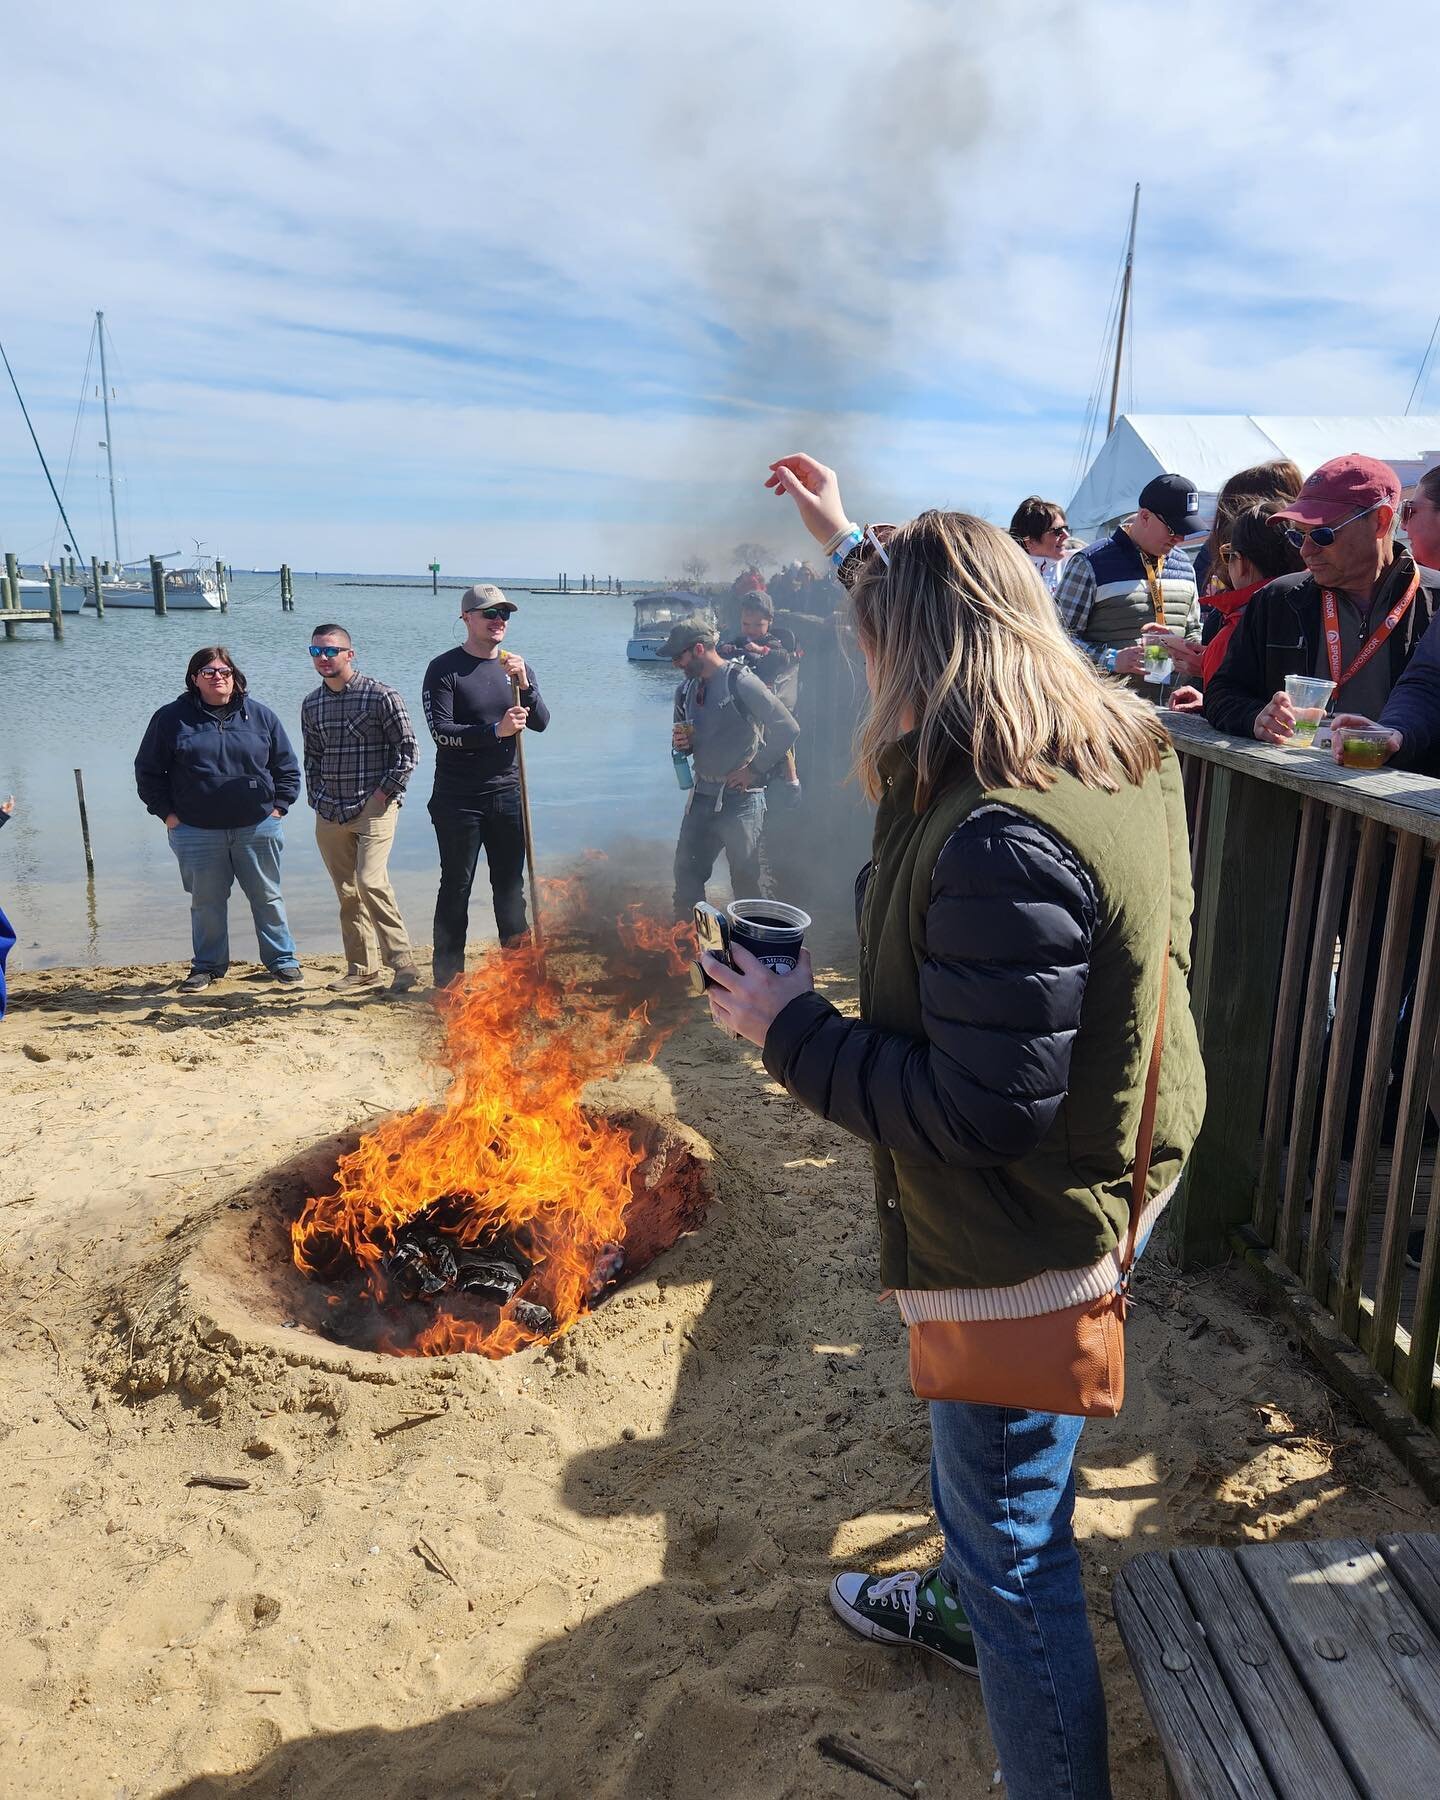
x,y
1410,507
1321,535
319,650
493,612
218,672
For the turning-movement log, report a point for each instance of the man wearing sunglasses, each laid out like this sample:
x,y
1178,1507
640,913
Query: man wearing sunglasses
x,y
1138,582
359,754
1353,616
474,718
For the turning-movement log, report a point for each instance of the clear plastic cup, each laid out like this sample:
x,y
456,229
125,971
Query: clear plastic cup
x,y
1363,749
1159,664
1308,695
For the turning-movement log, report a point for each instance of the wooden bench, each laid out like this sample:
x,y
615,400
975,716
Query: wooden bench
x,y
1308,1671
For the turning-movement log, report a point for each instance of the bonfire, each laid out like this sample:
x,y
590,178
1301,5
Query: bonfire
x,y
498,1217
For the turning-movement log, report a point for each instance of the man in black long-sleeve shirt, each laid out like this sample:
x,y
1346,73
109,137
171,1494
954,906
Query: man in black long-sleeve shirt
x,y
474,719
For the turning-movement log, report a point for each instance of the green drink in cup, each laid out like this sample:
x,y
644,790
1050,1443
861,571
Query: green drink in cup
x,y
1159,664
1308,695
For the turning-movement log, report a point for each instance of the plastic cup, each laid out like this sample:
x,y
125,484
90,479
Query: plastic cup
x,y
1307,723
1364,749
1159,664
769,929
685,738
1308,695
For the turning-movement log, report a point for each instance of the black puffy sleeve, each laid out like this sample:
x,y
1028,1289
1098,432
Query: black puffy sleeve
x,y
1008,932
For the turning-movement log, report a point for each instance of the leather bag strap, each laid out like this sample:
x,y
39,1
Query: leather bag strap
x,y
1146,1138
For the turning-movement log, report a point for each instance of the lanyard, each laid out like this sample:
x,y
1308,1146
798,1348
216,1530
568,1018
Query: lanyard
x,y
1371,645
1153,578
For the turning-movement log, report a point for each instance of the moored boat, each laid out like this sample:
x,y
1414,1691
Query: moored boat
x,y
655,614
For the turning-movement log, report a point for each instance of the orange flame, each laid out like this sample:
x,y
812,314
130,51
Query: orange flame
x,y
510,1148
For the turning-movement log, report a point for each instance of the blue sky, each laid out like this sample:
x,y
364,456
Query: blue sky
x,y
544,287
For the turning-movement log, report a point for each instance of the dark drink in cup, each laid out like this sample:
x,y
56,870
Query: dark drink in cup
x,y
769,929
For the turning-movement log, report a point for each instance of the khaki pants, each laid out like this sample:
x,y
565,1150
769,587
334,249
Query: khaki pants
x,y
356,854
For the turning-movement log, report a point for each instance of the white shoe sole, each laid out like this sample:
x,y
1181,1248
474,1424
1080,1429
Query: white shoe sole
x,y
877,1634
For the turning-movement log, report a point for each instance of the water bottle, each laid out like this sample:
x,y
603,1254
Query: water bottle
x,y
684,774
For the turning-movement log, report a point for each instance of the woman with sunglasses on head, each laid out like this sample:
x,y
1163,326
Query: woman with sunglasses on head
x,y
1353,616
1255,552
217,768
1024,931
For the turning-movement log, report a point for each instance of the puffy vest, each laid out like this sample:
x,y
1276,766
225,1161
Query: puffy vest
x,y
1066,1203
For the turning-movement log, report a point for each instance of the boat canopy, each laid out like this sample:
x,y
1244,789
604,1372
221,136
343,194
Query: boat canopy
x,y
653,611
1210,447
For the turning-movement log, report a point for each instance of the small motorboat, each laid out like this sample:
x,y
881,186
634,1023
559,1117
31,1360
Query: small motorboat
x,y
655,614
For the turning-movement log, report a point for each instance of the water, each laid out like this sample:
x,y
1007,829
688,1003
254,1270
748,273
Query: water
x,y
600,776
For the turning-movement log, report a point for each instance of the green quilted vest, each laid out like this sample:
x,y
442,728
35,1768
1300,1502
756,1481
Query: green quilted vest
x,y
1065,1205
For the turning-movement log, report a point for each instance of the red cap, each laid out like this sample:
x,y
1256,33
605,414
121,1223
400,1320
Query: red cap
x,y
1342,487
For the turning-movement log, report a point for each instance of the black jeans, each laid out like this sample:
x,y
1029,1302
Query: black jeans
x,y
491,822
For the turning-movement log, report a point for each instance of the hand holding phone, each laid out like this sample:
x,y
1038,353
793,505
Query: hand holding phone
x,y
712,933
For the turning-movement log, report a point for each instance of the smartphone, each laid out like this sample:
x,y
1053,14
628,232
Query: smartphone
x,y
712,933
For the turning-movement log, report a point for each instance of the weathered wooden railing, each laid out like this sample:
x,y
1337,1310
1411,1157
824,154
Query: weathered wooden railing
x,y
1317,940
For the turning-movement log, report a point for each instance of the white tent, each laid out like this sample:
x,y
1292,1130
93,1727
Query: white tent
x,y
1210,447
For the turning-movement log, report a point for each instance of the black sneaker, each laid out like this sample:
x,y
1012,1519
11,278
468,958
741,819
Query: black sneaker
x,y
292,975
912,1608
195,982
1414,1247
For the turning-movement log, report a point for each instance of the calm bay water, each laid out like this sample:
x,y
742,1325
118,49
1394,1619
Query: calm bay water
x,y
600,777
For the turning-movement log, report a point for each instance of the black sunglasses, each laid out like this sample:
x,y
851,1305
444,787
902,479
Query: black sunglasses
x,y
494,612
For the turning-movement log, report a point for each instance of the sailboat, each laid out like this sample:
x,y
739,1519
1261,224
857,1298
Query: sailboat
x,y
186,589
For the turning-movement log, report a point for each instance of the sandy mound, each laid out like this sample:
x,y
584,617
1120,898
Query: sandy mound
x,y
597,1567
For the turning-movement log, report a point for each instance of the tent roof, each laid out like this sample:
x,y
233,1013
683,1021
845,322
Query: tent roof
x,y
1210,447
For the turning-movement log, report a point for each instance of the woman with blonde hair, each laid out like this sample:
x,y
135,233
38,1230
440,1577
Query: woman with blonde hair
x,y
1025,929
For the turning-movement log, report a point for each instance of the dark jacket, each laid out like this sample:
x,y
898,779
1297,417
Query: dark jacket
x,y
1010,960
217,774
1413,708
1281,632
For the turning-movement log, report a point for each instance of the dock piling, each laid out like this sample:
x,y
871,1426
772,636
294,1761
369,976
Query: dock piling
x,y
98,591
287,589
57,617
84,822
157,586
222,586
10,592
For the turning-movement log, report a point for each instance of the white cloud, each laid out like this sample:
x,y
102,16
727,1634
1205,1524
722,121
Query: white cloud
x,y
546,286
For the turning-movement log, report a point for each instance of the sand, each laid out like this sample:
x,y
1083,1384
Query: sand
x,y
593,1569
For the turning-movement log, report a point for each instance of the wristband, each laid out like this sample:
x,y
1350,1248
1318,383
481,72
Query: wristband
x,y
841,547
828,548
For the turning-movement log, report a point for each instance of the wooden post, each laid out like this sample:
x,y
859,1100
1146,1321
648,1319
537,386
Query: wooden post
x,y
157,586
96,587
1250,833
434,578
222,585
287,596
536,934
57,617
84,821
11,595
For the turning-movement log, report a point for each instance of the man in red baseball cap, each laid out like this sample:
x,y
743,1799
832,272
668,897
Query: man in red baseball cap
x,y
1353,617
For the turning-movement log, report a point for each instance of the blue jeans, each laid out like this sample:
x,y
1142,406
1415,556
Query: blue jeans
x,y
1003,1482
704,832
210,863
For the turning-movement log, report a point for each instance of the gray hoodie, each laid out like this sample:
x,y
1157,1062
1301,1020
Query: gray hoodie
x,y
736,719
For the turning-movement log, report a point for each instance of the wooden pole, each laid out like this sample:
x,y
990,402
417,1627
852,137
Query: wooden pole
x,y
11,595
222,586
287,597
84,821
536,933
95,584
157,586
57,617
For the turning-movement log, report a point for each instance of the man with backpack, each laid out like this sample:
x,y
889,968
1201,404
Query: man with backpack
x,y
737,732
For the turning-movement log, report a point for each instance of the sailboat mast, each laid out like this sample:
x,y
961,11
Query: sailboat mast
x,y
110,454
1124,311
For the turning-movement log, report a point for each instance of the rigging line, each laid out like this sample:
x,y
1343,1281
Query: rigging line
x,y
75,429
1423,361
1092,410
38,451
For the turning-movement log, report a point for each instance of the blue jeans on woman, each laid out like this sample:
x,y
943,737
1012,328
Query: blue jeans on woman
x,y
1003,1482
210,863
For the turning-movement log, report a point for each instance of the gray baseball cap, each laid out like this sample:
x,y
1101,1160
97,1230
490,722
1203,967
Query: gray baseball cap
x,y
484,593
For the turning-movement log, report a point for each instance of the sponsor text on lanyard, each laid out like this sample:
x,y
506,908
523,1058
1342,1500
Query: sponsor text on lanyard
x,y
1362,656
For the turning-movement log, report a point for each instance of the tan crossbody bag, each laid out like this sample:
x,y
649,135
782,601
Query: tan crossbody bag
x,y
1071,1361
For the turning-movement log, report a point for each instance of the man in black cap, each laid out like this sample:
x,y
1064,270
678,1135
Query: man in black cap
x,y
1138,581
474,718
738,733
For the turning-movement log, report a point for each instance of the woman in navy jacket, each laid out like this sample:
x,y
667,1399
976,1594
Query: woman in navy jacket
x,y
217,767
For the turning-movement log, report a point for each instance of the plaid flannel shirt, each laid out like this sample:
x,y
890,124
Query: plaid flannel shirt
x,y
356,740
